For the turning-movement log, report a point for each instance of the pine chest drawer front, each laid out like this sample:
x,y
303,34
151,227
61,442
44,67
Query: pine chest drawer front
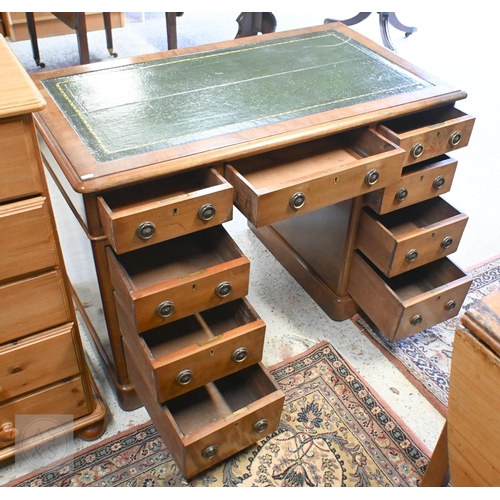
x,y
27,243
411,237
419,182
430,133
32,305
292,181
18,161
178,278
191,352
149,213
205,426
37,361
411,302
65,398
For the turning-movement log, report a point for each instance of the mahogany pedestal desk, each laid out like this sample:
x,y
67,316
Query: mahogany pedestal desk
x,y
43,370
467,452
334,148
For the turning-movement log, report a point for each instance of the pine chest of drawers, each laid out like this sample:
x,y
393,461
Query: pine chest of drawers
x,y
318,136
43,370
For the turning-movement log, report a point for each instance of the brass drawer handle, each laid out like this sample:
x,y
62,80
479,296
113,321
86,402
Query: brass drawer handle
x,y
450,305
438,182
402,194
417,150
223,289
184,377
145,230
206,212
209,451
7,432
411,255
416,320
455,138
165,309
297,200
447,242
372,177
261,425
240,354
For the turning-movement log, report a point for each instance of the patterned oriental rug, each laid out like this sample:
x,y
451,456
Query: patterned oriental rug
x,y
425,358
334,431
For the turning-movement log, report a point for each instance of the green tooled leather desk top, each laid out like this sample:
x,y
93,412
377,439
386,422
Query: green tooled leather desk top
x,y
138,108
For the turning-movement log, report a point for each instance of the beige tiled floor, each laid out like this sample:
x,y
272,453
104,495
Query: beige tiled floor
x,y
448,44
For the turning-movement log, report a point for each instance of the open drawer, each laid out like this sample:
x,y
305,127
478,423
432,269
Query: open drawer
x,y
178,278
429,133
148,213
411,237
282,184
191,352
205,426
419,182
410,302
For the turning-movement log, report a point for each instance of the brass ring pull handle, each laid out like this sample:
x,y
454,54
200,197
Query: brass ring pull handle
x,y
145,230
209,451
447,242
450,305
165,309
223,289
455,138
206,212
261,425
402,194
297,200
372,177
417,150
411,255
184,377
438,182
416,320
7,432
240,354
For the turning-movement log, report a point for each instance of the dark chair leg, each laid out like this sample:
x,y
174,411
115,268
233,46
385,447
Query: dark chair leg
x,y
109,36
30,20
351,21
408,30
253,23
81,36
171,18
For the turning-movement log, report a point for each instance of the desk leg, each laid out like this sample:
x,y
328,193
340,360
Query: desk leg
x,y
438,473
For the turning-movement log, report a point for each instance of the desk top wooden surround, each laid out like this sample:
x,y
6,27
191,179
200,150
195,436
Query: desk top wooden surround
x,y
125,121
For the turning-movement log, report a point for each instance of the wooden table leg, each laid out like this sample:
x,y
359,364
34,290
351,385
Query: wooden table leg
x,y
438,470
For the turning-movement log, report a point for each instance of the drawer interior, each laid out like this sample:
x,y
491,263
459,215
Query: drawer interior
x,y
141,196
421,215
196,409
177,258
197,329
314,158
423,119
421,280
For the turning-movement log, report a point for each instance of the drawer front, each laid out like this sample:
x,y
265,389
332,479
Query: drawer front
x,y
19,168
193,351
209,424
411,302
37,361
411,237
149,213
66,398
32,305
289,182
180,277
419,182
27,243
429,133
